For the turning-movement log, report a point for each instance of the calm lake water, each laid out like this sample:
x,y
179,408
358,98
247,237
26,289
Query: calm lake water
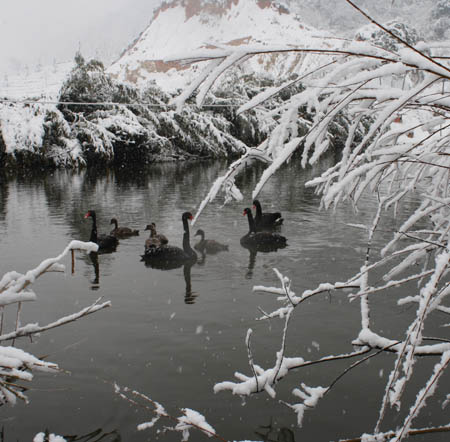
x,y
173,335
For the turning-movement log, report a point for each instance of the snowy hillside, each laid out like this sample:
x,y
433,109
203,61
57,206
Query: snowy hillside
x,y
180,27
44,82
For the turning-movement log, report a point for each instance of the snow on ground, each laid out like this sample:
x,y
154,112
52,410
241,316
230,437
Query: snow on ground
x,y
45,82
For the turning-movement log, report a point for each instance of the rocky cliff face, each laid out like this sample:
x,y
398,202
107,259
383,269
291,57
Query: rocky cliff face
x,y
180,27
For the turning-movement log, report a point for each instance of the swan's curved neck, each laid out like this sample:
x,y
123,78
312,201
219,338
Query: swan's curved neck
x,y
94,229
186,239
185,225
186,243
251,222
114,221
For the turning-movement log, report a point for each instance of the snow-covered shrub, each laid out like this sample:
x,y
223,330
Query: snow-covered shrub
x,y
107,133
22,132
140,127
87,83
378,37
59,144
153,95
37,135
441,19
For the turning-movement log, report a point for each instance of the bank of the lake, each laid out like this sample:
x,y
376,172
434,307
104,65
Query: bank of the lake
x,y
99,122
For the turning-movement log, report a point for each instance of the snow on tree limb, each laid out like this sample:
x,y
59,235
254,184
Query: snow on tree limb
x,y
388,110
15,364
31,329
190,419
12,284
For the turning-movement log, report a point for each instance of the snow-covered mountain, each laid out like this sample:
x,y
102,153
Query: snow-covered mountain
x,y
181,27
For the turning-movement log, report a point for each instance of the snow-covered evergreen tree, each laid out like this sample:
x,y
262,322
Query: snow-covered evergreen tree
x,y
441,19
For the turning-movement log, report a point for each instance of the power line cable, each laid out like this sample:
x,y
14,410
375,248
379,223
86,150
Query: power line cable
x,y
105,103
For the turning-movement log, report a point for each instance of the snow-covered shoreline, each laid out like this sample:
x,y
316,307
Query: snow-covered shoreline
x,y
95,120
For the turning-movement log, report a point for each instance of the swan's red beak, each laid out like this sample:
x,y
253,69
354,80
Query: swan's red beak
x,y
191,217
87,215
244,213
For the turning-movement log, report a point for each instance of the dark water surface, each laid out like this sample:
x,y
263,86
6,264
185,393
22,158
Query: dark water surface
x,y
174,334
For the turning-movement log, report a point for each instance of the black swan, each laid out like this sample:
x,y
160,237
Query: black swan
x,y
155,239
165,256
105,242
261,241
210,246
266,220
121,232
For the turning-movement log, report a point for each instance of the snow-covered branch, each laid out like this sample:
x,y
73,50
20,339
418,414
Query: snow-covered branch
x,y
17,365
31,329
13,284
190,419
386,107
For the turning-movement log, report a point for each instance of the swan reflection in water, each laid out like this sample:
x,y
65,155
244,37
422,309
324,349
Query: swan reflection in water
x,y
93,257
189,295
96,281
106,244
269,433
254,251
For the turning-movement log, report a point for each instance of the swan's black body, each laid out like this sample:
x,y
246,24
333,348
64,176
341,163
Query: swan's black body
x,y
165,256
105,242
261,241
121,232
266,220
209,246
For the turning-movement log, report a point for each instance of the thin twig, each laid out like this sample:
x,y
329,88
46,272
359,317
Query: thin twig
x,y
156,406
28,331
390,434
250,357
283,347
355,364
420,399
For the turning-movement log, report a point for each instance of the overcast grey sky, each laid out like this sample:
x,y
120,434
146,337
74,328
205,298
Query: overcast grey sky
x,y
33,31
